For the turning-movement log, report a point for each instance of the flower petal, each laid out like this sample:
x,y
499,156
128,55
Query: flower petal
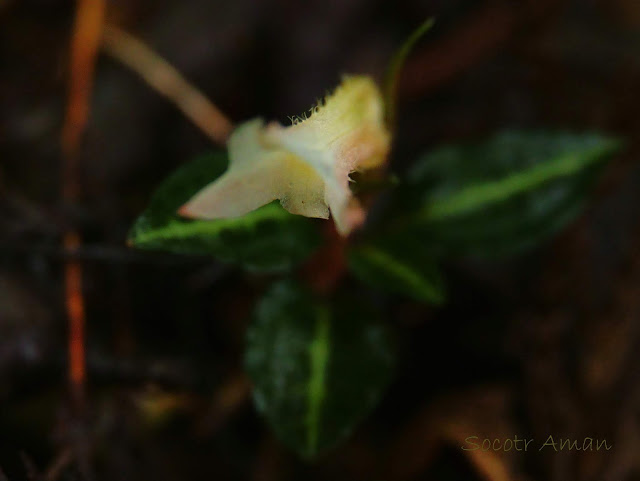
x,y
347,133
347,212
234,194
257,176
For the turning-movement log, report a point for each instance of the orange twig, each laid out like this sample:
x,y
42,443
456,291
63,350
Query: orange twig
x,y
167,81
87,31
76,313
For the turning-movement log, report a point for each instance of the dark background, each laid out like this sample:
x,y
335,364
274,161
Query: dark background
x,y
544,343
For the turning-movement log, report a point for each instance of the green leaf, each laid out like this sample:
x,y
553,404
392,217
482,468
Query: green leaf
x,y
402,267
395,68
317,371
506,194
268,238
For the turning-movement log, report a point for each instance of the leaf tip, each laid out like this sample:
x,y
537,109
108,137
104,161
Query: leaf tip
x,y
185,211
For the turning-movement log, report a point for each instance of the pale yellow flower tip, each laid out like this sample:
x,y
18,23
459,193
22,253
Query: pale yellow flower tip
x,y
306,165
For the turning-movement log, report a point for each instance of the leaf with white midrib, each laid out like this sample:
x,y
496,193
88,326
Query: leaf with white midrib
x,y
317,368
398,268
479,196
319,351
501,196
268,238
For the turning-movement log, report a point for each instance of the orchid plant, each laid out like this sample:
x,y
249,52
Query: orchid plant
x,y
320,359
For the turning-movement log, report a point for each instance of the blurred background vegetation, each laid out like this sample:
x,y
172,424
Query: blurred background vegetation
x,y
544,343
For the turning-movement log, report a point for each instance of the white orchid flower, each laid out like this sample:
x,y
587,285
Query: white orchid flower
x,y
306,165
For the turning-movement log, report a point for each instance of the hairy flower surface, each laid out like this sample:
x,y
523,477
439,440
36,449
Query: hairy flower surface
x,y
306,165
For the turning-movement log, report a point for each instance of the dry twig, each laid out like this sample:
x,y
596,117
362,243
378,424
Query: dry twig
x,y
31,470
166,80
64,458
84,46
